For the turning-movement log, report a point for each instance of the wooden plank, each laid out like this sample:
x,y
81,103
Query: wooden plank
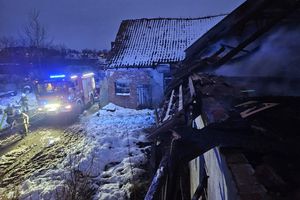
x,y
169,106
177,119
254,110
192,88
180,106
196,77
158,180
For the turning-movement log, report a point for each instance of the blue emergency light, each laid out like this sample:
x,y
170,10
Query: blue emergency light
x,y
58,76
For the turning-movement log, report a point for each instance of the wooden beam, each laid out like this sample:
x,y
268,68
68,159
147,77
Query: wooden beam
x,y
169,106
176,120
196,77
180,106
192,88
254,109
158,180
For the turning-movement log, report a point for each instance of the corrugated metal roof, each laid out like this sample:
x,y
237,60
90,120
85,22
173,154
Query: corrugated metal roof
x,y
147,42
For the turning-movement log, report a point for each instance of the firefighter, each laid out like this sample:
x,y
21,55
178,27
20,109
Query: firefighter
x,y
24,103
9,111
21,118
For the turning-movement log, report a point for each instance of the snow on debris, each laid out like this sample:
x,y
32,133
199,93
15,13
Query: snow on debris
x,y
114,135
108,155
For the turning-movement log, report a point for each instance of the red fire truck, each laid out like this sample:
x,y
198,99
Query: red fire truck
x,y
61,93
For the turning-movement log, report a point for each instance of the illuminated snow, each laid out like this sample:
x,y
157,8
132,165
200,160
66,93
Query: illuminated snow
x,y
104,155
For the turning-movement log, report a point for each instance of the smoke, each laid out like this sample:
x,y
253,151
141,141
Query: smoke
x,y
278,56
273,69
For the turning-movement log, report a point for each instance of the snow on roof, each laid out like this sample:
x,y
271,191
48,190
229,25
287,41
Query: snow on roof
x,y
147,42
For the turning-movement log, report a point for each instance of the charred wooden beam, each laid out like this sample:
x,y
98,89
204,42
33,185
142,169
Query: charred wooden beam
x,y
191,87
180,117
169,106
201,188
176,120
255,110
180,106
193,143
185,183
158,180
231,47
289,8
236,133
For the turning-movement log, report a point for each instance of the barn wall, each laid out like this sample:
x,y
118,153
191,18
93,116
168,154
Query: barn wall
x,y
230,174
157,83
220,183
136,78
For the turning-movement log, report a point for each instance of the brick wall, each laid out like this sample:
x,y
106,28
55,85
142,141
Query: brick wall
x,y
135,77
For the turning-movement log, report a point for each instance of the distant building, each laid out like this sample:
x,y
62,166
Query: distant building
x,y
33,61
148,50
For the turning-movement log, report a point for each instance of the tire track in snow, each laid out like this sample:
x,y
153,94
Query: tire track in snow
x,y
20,163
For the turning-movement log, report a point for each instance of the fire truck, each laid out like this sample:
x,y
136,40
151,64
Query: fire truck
x,y
65,94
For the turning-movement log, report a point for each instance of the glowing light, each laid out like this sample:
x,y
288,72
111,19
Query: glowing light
x,y
52,107
87,75
68,107
58,76
73,77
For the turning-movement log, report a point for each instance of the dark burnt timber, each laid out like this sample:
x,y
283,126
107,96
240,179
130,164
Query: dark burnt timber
x,y
196,142
263,131
239,113
256,18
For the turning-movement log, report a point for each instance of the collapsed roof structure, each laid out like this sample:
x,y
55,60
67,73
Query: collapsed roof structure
x,y
256,123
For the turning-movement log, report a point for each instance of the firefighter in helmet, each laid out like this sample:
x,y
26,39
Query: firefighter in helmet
x,y
24,103
21,118
9,111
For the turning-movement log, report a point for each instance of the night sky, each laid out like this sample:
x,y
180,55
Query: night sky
x,y
93,24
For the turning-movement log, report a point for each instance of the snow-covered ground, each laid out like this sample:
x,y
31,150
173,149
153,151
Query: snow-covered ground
x,y
32,103
107,157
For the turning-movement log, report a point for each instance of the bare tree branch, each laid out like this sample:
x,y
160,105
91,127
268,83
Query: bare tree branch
x,y
34,32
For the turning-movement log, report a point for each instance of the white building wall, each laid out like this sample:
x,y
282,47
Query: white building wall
x,y
220,184
157,86
195,164
158,83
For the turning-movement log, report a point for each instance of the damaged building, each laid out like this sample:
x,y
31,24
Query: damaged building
x,y
144,55
228,125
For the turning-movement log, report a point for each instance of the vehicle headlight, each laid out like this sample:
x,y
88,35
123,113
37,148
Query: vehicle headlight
x,y
52,107
68,107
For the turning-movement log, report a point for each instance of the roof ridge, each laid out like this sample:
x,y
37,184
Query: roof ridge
x,y
176,18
